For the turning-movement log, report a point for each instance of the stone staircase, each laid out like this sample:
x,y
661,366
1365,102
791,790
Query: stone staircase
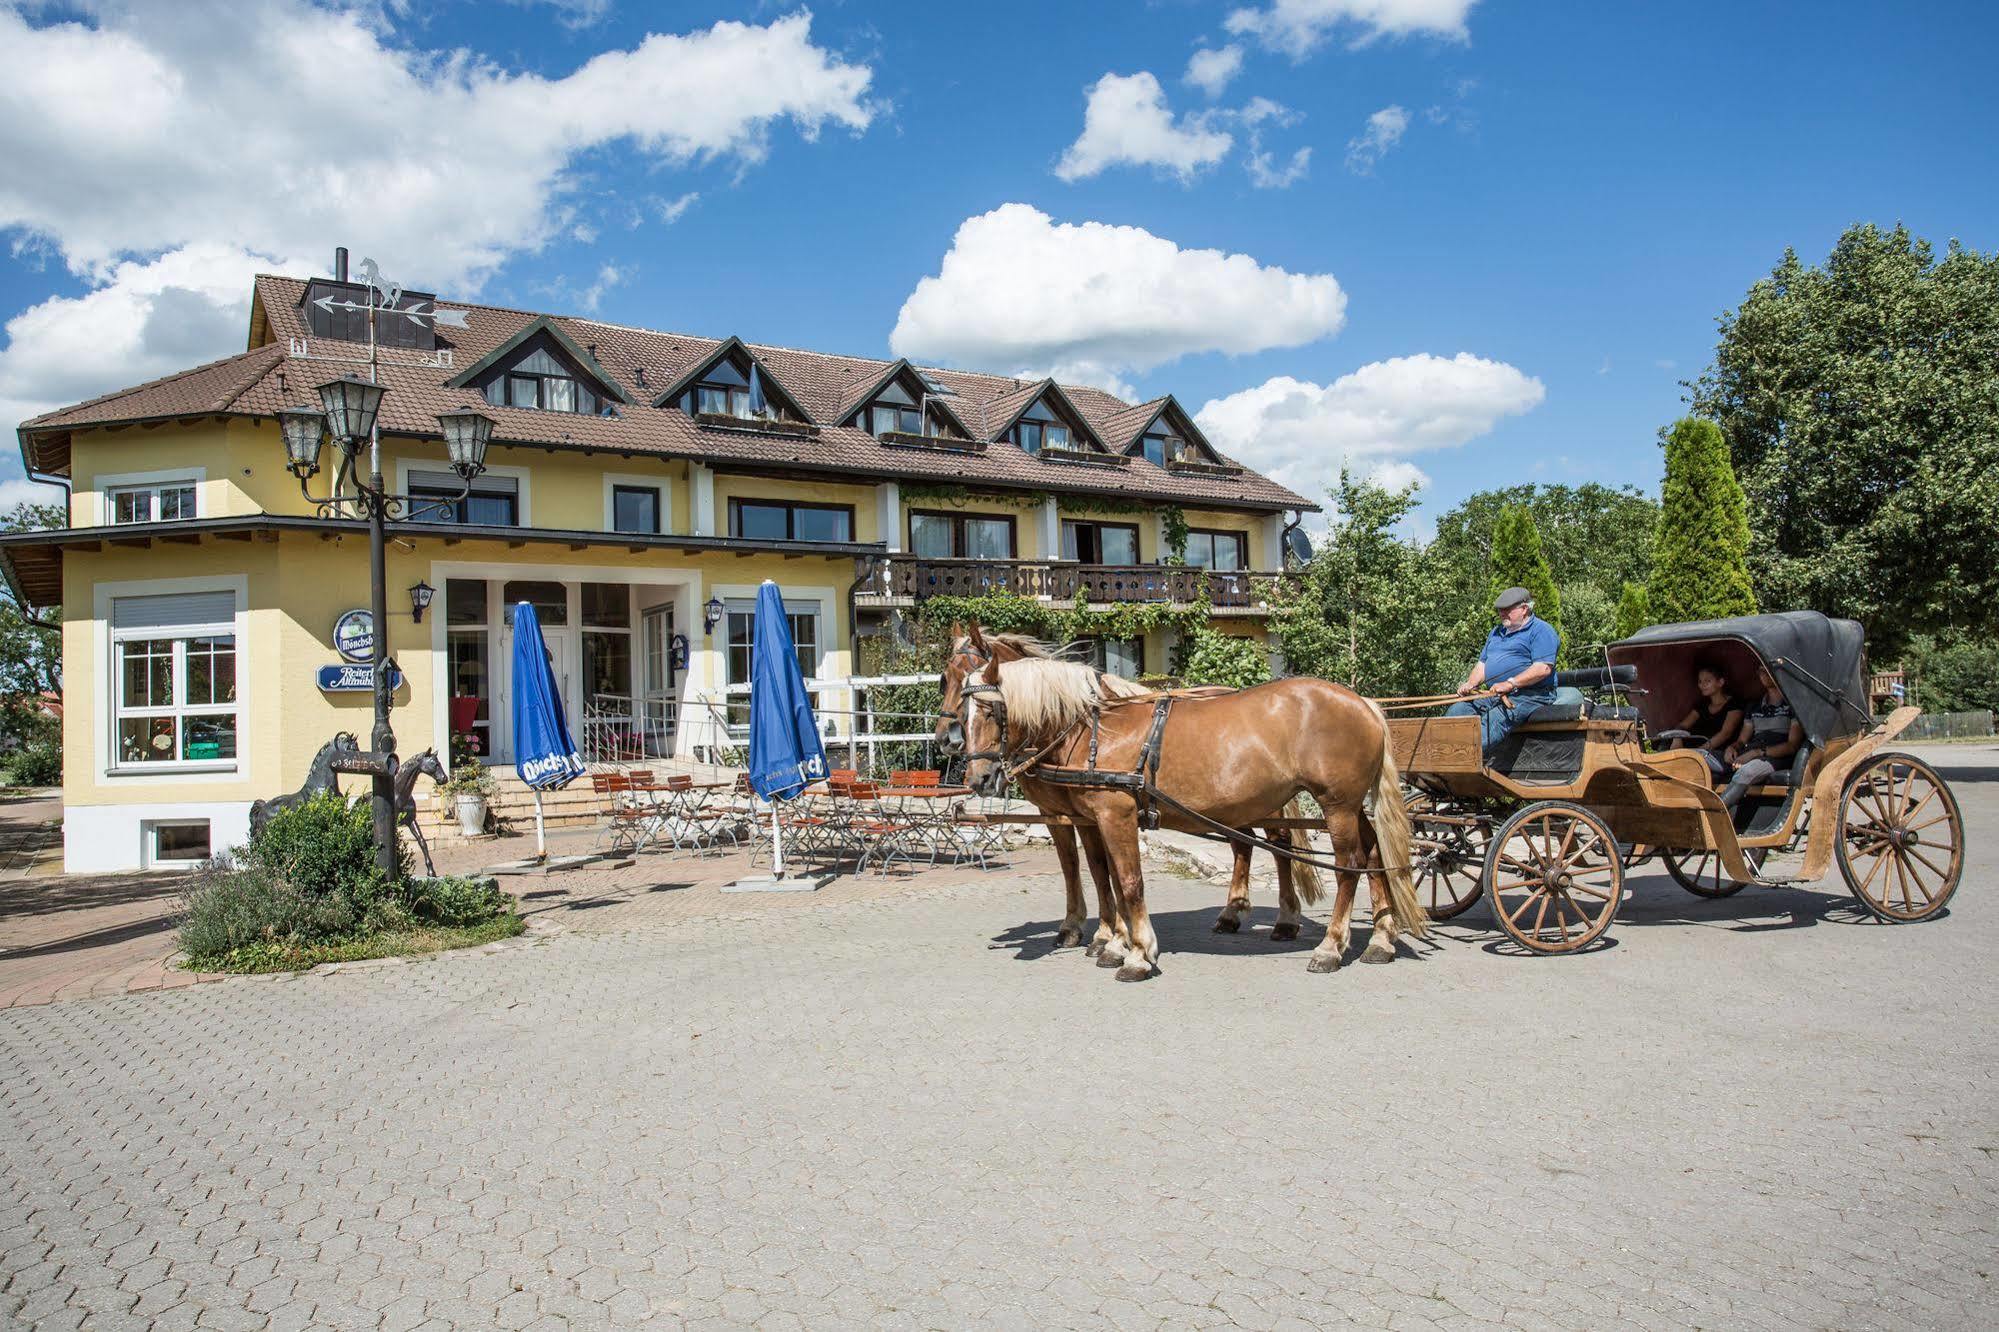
x,y
511,808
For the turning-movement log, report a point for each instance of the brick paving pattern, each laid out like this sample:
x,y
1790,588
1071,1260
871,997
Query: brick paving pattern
x,y
907,1111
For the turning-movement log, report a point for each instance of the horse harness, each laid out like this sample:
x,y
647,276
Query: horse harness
x,y
1141,781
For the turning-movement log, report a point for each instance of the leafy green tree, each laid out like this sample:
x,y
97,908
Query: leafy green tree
x,y
1517,561
1213,658
30,643
1362,611
1634,611
1860,403
1700,568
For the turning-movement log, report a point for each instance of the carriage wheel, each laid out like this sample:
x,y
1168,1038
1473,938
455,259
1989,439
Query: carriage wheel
x,y
1700,873
1901,842
1556,876
1450,845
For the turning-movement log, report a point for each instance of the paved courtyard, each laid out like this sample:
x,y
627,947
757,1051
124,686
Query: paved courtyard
x,y
905,1110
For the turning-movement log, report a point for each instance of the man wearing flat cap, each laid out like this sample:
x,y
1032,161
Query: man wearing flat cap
x,y
1516,666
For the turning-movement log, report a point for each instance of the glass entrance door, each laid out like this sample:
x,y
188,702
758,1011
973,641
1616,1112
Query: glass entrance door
x,y
660,680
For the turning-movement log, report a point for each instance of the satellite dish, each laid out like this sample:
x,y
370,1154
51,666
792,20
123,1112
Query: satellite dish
x,y
1297,546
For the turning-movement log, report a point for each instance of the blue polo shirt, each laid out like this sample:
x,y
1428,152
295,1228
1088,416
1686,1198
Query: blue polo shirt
x,y
1507,653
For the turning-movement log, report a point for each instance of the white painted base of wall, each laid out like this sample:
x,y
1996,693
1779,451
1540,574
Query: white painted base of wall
x,y
102,839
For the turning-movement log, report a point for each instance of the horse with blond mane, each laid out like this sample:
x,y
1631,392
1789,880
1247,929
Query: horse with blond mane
x,y
1294,880
1226,760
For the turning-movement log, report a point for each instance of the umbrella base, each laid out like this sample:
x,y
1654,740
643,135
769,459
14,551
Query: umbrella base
x,y
552,865
766,883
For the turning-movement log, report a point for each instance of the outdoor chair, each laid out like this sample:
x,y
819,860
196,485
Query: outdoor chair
x,y
632,818
875,833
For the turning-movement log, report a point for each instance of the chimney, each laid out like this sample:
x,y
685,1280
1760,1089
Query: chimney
x,y
340,263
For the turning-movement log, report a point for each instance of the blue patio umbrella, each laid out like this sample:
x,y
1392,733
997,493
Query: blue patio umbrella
x,y
544,754
759,404
786,753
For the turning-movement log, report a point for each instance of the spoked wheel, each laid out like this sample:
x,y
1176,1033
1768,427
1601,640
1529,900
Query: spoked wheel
x,y
1450,842
1556,877
1901,838
1700,872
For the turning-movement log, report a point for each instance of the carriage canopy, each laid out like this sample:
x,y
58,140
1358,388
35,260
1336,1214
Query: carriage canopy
x,y
1819,662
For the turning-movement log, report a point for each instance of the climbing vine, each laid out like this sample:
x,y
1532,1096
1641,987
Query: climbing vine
x,y
1174,519
1011,613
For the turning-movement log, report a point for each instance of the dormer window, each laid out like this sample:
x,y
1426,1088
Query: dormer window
x,y
1162,449
539,382
903,403
1037,435
1047,424
723,391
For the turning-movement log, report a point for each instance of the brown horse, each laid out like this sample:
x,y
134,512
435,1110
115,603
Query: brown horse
x,y
1230,758
1294,880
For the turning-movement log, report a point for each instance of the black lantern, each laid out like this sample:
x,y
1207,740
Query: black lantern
x,y
420,595
305,435
351,404
712,613
465,434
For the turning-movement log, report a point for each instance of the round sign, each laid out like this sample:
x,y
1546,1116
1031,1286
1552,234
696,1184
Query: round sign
x,y
354,635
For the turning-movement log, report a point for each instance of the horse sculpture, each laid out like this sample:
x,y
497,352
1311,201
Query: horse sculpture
x,y
426,764
1294,880
1196,763
318,778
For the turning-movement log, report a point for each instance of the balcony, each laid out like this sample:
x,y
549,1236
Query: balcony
x,y
904,580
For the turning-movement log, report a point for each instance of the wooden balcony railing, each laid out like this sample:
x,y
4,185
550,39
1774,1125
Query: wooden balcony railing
x,y
908,578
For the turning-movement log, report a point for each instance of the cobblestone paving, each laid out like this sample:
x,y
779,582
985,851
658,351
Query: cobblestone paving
x,y
908,1112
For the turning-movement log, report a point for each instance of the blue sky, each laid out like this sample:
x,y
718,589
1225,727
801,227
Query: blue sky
x,y
1506,281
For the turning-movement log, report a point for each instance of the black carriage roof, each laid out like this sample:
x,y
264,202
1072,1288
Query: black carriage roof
x,y
1819,662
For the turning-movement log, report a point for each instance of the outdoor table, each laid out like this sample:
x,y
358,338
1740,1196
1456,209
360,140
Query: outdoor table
x,y
927,813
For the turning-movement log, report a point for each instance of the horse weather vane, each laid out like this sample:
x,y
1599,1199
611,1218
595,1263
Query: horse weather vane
x,y
385,298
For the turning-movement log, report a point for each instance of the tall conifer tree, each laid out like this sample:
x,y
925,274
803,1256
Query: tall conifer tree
x,y
1517,561
1700,555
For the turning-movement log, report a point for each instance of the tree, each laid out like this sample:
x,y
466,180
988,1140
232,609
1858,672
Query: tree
x,y
1517,561
30,644
1362,611
1634,610
1700,567
1213,658
1860,404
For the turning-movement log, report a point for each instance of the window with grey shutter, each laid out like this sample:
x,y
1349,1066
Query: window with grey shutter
x,y
173,610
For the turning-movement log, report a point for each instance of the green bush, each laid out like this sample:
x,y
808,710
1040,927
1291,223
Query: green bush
x,y
1213,658
455,901
36,763
225,910
323,847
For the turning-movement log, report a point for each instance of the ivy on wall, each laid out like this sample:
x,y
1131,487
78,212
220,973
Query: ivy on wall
x,y
1011,613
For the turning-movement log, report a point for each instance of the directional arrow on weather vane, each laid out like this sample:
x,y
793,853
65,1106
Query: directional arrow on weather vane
x,y
428,310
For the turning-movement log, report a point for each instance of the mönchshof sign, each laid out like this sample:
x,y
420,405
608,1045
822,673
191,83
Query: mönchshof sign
x,y
354,635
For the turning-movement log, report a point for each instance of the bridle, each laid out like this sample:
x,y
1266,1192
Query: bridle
x,y
971,686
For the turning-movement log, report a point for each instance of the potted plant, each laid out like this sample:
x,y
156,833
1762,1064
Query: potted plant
x,y
470,787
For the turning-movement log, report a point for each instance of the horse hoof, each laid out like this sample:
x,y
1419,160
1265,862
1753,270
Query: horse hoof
x,y
1323,962
1227,925
1376,954
1109,959
1135,971
1284,933
1068,938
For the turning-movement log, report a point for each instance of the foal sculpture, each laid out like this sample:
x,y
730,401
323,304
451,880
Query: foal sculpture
x,y
319,777
426,764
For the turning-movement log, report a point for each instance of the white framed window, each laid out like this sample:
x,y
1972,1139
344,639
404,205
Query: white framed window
x,y
178,843
174,682
637,503
157,502
740,623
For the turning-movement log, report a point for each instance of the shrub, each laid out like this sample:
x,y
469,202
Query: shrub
x,y
225,910
323,847
455,901
1217,659
36,763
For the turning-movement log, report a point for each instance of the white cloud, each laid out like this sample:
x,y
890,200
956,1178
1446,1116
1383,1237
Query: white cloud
x,y
1127,123
168,152
20,490
670,210
282,128
1265,175
1384,130
1299,26
1212,69
572,13
1303,433
1091,301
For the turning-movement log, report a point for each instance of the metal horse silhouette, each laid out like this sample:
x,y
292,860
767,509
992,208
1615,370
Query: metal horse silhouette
x,y
426,763
319,777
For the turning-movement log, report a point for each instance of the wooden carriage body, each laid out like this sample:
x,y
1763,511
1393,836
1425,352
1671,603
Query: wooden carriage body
x,y
1584,783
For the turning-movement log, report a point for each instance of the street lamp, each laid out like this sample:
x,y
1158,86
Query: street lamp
x,y
351,408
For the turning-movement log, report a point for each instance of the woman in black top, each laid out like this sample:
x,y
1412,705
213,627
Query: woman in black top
x,y
1771,736
1714,721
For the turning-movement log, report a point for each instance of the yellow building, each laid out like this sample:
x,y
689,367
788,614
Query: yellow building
x,y
639,487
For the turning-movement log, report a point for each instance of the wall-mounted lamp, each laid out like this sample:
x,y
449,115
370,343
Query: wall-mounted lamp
x,y
712,614
420,595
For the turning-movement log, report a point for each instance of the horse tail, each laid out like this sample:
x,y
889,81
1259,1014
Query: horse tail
x,y
1304,877
1393,837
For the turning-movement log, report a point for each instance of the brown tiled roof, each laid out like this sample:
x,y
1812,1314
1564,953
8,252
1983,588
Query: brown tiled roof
x,y
268,377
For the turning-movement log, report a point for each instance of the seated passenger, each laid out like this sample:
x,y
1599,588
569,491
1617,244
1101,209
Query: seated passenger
x,y
1517,664
1771,738
1714,721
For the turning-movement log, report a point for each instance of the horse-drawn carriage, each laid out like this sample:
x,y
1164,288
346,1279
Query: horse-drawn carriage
x,y
1550,822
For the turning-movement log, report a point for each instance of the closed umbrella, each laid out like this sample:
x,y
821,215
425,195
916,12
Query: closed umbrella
x,y
786,753
759,405
544,754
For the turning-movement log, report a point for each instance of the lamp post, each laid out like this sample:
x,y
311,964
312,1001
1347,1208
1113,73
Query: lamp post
x,y
349,411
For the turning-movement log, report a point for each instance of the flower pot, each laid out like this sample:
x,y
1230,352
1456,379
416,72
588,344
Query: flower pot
x,y
471,808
